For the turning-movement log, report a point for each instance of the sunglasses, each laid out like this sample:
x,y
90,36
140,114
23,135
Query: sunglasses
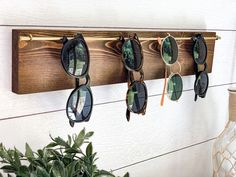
x,y
199,56
132,57
75,61
169,53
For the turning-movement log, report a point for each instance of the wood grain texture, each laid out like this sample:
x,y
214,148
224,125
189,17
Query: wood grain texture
x,y
37,66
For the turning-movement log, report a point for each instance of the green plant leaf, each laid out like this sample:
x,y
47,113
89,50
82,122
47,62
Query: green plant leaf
x,y
51,137
126,175
28,151
41,172
61,142
8,169
38,162
18,152
82,133
72,151
89,149
40,153
52,144
69,140
4,154
71,169
24,171
57,159
79,140
58,169
33,174
78,166
17,159
103,173
88,135
10,153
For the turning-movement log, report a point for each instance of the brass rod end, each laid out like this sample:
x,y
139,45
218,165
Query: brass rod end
x,y
218,37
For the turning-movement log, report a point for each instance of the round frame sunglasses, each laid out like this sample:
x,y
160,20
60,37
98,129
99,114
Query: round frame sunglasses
x,y
132,57
169,53
174,85
75,60
199,56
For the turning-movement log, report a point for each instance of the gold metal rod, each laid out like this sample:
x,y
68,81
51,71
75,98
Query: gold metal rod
x,y
37,38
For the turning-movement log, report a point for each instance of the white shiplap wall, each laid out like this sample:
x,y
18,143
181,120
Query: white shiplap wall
x,y
174,140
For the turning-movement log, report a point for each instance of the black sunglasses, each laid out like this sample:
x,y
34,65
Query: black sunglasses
x,y
75,61
199,56
132,57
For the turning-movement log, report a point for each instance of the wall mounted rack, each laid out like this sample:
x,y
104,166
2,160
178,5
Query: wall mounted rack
x,y
36,63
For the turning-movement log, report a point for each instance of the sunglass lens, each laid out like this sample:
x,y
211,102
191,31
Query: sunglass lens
x,y
79,105
169,50
137,96
75,58
201,83
132,54
200,51
175,87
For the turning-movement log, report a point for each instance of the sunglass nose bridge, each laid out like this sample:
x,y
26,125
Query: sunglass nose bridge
x,y
180,68
77,82
87,79
130,78
205,66
141,75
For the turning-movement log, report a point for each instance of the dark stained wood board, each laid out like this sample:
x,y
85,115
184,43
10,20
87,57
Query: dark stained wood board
x,y
36,65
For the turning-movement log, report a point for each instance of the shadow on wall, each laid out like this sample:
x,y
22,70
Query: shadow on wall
x,y
233,73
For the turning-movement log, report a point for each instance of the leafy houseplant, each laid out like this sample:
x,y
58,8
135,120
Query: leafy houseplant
x,y
59,158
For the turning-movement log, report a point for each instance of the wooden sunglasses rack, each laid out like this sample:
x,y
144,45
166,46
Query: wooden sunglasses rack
x,y
36,63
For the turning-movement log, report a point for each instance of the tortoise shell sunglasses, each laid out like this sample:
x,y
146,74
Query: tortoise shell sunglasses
x,y
132,57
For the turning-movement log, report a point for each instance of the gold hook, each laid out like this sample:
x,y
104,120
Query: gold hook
x,y
31,37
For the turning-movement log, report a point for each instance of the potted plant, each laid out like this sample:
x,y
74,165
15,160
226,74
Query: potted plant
x,y
60,158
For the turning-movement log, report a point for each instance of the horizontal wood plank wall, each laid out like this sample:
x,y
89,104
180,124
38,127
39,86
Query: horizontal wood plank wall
x,y
182,14
192,161
156,133
158,144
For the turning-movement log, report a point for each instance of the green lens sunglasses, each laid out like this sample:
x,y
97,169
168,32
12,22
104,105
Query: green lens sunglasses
x,y
75,61
199,56
132,57
169,53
